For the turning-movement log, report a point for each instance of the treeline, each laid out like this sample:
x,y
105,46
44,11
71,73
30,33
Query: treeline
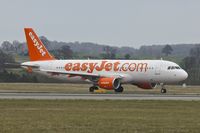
x,y
77,50
6,76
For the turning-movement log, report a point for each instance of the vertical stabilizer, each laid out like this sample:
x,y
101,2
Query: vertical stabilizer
x,y
37,50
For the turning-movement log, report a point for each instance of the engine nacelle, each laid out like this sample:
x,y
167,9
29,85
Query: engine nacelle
x,y
146,85
109,83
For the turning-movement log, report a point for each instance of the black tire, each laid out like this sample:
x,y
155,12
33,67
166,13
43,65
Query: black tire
x,y
91,89
120,89
163,91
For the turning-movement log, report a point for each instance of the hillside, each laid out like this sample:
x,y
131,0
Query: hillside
x,y
88,49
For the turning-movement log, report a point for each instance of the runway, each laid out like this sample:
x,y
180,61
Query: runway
x,y
54,96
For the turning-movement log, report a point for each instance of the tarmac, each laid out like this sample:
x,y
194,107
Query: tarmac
x,y
54,96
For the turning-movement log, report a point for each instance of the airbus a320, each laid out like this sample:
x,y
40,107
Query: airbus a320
x,y
105,74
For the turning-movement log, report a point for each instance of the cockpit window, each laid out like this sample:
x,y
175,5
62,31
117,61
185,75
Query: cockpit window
x,y
173,67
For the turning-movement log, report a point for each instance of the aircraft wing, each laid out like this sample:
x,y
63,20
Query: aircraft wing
x,y
12,65
82,74
18,65
70,73
32,66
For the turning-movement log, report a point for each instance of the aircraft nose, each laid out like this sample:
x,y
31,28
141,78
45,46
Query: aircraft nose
x,y
181,75
184,75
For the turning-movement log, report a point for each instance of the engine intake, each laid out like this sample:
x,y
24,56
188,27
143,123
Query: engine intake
x,y
109,83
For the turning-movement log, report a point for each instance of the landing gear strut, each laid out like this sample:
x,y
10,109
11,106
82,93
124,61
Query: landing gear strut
x,y
92,88
163,89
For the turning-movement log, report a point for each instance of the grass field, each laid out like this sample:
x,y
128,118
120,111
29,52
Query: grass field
x,y
87,116
93,116
83,88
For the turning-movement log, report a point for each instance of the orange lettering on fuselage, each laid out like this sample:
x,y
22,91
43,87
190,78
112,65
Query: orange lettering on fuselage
x,y
106,66
76,67
116,64
84,67
91,67
101,67
68,67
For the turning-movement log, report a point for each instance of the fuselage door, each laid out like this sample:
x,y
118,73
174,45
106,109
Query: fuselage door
x,y
158,68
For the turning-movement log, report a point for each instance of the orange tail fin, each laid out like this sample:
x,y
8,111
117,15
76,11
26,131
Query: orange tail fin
x,y
36,48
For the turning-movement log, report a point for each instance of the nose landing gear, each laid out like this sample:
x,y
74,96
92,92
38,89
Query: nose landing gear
x,y
163,89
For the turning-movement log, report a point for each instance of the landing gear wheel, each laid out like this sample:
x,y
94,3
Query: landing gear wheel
x,y
163,90
96,88
91,89
120,89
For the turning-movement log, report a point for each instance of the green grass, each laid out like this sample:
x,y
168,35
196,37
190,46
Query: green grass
x,y
43,87
83,88
106,116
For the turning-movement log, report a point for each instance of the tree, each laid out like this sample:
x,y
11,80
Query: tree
x,y
167,50
18,46
45,41
127,56
192,65
110,52
7,46
64,52
5,58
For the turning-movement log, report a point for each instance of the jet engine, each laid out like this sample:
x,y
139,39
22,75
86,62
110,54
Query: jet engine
x,y
109,83
146,85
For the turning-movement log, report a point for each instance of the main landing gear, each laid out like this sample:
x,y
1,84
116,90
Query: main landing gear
x,y
92,88
118,90
163,89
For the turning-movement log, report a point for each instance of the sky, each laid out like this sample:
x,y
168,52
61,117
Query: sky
x,y
113,22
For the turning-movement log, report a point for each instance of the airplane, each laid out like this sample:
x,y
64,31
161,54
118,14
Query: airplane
x,y
105,74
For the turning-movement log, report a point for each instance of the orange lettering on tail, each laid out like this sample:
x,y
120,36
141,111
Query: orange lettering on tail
x,y
36,48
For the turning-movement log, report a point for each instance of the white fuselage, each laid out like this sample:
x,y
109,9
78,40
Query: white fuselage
x,y
131,71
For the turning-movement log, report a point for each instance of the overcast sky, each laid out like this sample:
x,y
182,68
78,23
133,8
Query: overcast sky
x,y
113,22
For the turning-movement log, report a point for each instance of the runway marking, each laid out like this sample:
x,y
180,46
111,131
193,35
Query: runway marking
x,y
52,96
